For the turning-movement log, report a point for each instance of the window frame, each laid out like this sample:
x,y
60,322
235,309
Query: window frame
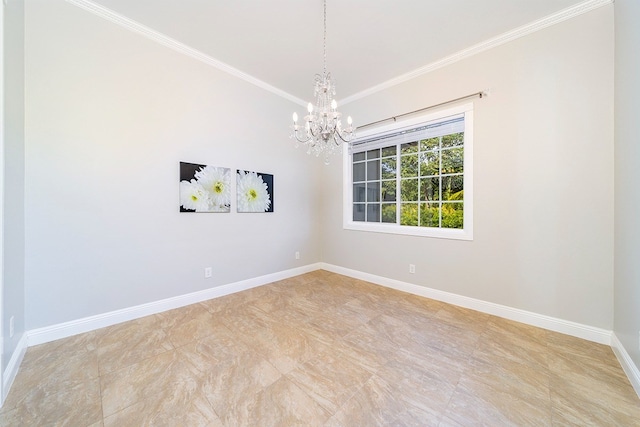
x,y
465,233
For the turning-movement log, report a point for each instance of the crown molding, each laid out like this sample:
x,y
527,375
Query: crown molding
x,y
516,33
560,16
171,43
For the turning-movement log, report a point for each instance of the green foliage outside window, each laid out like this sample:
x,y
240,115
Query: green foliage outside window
x,y
430,182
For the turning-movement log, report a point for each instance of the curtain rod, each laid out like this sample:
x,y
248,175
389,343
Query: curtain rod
x,y
473,95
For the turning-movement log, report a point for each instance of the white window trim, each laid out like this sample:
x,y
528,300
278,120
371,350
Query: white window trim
x,y
442,233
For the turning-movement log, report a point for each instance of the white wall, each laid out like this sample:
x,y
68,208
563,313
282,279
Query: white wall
x,y
543,178
627,177
109,116
13,170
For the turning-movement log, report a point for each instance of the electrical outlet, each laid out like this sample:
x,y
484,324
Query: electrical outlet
x,y
11,327
412,268
208,272
297,255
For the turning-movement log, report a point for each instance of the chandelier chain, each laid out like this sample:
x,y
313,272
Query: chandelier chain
x,y
324,46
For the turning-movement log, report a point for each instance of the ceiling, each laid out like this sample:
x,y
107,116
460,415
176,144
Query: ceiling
x,y
369,42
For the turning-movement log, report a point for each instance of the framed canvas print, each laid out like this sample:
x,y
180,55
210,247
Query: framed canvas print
x,y
204,188
254,191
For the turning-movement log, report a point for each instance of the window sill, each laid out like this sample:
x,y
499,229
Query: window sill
x,y
438,233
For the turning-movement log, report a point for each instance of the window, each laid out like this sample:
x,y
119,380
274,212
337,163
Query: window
x,y
413,177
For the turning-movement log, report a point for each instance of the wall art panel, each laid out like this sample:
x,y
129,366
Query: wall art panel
x,y
254,191
204,188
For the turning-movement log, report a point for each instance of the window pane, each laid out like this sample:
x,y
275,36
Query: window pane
x,y
429,163
452,215
359,192
453,160
430,189
430,144
373,212
389,212
389,151
409,166
409,214
389,168
410,147
373,154
358,172
388,191
429,215
358,212
358,156
409,190
373,170
373,191
452,187
455,139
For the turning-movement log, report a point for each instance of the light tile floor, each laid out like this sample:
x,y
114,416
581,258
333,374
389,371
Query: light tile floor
x,y
321,350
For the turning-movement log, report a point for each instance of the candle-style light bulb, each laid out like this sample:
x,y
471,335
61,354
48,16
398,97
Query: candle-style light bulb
x,y
310,108
349,120
334,104
295,117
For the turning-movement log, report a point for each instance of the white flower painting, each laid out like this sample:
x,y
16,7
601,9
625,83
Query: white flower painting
x,y
204,188
254,191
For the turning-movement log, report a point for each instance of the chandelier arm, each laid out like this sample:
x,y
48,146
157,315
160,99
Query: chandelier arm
x,y
347,139
295,135
312,133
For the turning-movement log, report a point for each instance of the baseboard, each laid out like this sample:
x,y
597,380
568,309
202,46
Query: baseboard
x,y
579,330
628,366
74,327
67,329
9,375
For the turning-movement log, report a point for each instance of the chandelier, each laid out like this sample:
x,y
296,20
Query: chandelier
x,y
322,131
